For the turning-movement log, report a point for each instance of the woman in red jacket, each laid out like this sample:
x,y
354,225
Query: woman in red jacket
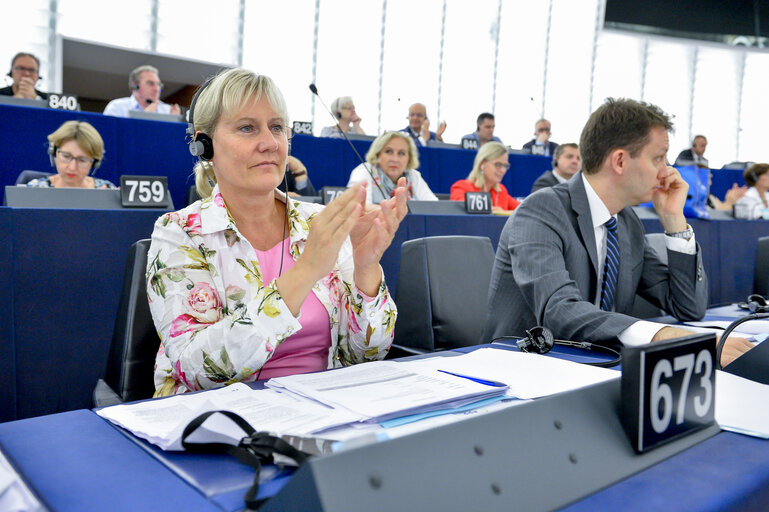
x,y
489,168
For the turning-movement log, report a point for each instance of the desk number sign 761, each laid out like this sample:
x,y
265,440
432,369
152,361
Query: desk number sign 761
x,y
668,389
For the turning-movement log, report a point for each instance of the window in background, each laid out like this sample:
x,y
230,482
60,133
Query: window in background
x,y
411,60
183,29
668,85
109,21
618,67
282,50
755,109
520,70
567,97
25,30
468,66
714,112
349,38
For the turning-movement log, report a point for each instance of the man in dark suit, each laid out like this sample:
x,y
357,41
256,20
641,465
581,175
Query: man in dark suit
x,y
695,154
566,163
573,256
25,71
541,143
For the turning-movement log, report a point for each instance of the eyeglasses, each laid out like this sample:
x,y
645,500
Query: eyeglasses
x,y
500,166
24,69
543,129
348,107
82,162
416,114
153,83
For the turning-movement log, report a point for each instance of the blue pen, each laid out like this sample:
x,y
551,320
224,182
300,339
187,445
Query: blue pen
x,y
474,379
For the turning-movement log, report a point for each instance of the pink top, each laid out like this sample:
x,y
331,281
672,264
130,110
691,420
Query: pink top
x,y
307,350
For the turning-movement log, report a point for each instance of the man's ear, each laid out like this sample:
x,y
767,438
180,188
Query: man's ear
x,y
618,160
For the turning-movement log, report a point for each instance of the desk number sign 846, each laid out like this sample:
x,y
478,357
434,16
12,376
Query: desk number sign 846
x,y
668,390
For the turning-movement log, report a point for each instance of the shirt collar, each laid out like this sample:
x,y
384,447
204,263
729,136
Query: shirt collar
x,y
598,211
215,217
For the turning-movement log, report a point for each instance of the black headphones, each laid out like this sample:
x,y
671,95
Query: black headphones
x,y
759,309
540,340
53,149
200,144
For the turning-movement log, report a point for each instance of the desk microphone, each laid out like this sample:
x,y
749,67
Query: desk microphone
x,y
365,165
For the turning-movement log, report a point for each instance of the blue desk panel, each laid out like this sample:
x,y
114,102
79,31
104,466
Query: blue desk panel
x,y
77,461
66,272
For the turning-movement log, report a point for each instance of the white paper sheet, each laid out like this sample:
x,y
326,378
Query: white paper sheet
x,y
741,405
527,375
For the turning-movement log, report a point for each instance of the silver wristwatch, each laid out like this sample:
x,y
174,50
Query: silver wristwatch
x,y
687,234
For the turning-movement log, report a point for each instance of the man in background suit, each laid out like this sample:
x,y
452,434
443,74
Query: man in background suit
x,y
419,126
559,251
566,163
695,154
541,143
25,72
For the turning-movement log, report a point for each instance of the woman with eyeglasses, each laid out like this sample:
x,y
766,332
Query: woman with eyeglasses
x,y
75,148
247,284
489,168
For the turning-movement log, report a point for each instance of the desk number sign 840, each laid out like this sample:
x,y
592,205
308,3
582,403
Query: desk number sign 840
x,y
668,390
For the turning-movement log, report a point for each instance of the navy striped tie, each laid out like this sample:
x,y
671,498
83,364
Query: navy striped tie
x,y
610,266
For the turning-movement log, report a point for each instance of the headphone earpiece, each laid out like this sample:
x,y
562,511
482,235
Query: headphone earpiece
x,y
555,162
202,147
338,115
538,340
201,144
52,153
757,304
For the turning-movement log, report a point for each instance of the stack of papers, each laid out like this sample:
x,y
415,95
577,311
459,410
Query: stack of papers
x,y
386,389
359,401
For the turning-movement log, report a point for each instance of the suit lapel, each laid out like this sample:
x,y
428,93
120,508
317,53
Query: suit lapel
x,y
581,208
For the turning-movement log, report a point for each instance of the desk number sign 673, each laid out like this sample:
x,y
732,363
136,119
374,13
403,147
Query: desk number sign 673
x,y
668,389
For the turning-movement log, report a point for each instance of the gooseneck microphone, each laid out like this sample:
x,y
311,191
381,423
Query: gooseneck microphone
x,y
336,121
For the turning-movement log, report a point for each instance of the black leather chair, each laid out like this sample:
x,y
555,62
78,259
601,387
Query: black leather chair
x,y
27,176
135,343
761,277
443,287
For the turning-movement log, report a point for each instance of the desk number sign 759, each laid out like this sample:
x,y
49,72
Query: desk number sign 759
x,y
668,390
144,191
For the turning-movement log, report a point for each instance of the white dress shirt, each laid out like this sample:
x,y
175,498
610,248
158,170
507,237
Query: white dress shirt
x,y
119,107
642,331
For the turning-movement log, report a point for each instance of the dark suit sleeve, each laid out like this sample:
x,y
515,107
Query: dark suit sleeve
x,y
685,157
680,286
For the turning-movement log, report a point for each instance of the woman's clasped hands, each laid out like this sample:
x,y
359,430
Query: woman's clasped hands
x,y
370,233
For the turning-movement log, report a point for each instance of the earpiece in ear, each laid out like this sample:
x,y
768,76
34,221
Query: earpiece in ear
x,y
538,340
202,147
339,115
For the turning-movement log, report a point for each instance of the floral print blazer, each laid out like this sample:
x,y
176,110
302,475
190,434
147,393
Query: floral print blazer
x,y
219,322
